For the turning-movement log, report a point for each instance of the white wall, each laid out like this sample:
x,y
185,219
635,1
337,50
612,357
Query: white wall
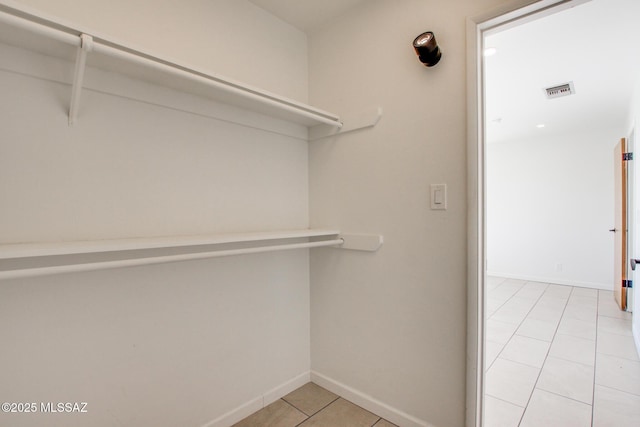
x,y
232,38
634,121
549,209
177,344
390,327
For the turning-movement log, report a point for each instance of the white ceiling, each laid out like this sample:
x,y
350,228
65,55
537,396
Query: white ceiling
x,y
595,45
307,15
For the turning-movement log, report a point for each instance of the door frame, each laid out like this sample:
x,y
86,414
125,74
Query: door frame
x,y
632,238
511,13
621,223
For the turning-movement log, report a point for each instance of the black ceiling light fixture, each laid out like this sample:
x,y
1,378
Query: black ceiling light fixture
x,y
427,49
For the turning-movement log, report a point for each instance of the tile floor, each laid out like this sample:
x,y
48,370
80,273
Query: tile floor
x,y
313,406
558,356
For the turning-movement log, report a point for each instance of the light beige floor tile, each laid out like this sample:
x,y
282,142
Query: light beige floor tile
x,y
573,318
608,307
605,294
548,409
528,351
498,413
511,381
492,282
492,350
505,291
384,423
546,313
538,329
493,305
573,349
514,310
620,374
500,332
523,303
611,325
617,345
310,398
515,282
580,301
342,413
584,314
568,379
577,328
278,414
532,290
560,291
552,301
614,408
585,292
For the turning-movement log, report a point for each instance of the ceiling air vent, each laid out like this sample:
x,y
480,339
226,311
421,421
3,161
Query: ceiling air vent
x,y
560,90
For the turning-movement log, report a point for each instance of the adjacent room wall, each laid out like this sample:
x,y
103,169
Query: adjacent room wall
x,y
634,120
177,344
550,208
388,329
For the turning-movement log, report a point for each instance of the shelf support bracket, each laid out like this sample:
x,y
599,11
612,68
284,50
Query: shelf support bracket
x,y
365,118
361,242
86,46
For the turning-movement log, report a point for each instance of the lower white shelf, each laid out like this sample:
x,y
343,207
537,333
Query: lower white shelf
x,y
22,250
39,259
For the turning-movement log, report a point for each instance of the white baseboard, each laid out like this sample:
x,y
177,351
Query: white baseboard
x,y
553,280
367,402
259,402
286,388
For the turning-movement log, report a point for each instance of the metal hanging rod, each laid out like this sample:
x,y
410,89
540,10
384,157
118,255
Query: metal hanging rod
x,y
105,265
86,44
67,37
213,82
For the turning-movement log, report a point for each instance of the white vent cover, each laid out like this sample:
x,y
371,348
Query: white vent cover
x,y
560,90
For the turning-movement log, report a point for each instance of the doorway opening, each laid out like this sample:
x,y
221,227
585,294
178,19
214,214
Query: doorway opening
x,y
538,200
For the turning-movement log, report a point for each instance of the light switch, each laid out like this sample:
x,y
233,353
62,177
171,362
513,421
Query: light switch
x,y
439,196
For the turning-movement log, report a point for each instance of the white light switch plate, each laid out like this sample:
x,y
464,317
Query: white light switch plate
x,y
439,196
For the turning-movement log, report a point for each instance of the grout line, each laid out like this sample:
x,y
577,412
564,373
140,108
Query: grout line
x,y
569,301
519,363
536,339
613,388
618,390
319,410
508,299
547,355
524,364
573,336
515,332
615,317
566,397
297,409
595,363
569,360
506,401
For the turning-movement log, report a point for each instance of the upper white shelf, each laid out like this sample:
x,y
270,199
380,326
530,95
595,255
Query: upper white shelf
x,y
43,35
29,250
